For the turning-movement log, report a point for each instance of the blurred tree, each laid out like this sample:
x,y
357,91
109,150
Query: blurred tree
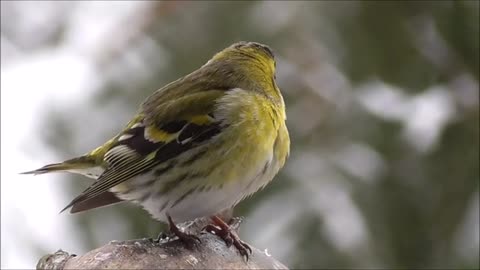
x,y
383,111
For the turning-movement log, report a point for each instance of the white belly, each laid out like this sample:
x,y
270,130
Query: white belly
x,y
205,203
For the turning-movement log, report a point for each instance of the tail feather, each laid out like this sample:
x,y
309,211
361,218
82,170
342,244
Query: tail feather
x,y
82,165
48,168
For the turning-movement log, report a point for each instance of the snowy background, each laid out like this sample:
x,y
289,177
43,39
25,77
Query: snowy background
x,y
382,104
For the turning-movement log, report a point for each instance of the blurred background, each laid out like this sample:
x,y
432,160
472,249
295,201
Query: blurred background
x,y
383,111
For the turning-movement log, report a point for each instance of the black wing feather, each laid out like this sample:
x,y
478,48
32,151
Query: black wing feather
x,y
191,136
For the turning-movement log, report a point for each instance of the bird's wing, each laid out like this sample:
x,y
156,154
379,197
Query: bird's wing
x,y
159,135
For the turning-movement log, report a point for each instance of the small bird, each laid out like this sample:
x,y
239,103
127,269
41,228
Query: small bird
x,y
196,147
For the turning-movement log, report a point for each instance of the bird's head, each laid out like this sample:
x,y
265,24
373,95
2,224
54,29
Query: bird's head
x,y
248,64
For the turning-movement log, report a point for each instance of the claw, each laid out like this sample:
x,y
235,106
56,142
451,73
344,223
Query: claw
x,y
224,231
189,240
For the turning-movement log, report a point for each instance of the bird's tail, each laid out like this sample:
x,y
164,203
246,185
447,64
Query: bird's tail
x,y
86,165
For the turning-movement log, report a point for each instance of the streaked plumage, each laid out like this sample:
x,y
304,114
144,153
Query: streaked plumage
x,y
197,146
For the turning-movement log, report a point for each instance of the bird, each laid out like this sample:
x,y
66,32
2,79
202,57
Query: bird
x,y
195,147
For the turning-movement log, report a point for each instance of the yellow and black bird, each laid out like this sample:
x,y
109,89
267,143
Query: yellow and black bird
x,y
197,146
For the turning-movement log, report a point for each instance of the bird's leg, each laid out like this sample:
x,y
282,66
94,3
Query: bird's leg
x,y
223,230
189,240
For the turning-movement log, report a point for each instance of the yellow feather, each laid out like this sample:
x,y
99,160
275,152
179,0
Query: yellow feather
x,y
156,135
201,119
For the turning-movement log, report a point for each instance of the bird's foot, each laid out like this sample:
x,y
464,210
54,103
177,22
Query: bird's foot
x,y
224,231
189,240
